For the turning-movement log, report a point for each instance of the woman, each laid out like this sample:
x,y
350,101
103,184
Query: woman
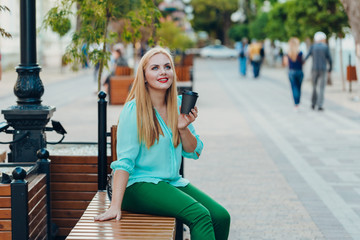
x,y
152,136
294,61
242,48
256,55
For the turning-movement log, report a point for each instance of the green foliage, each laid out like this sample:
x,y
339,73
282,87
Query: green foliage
x,y
239,31
257,27
304,18
295,18
145,15
93,33
213,16
173,36
275,29
58,20
3,33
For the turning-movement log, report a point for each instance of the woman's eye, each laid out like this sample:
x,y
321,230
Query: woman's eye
x,y
154,68
167,67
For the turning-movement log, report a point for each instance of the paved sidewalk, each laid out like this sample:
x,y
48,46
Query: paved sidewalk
x,y
282,174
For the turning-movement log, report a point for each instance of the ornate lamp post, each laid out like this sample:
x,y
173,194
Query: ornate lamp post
x,y
28,117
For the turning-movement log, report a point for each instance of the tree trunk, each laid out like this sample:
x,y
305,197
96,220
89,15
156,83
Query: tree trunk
x,y
352,10
341,65
227,24
102,61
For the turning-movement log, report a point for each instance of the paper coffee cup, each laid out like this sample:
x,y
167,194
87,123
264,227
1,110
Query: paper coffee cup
x,y
188,101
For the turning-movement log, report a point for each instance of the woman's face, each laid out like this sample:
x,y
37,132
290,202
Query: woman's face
x,y
159,73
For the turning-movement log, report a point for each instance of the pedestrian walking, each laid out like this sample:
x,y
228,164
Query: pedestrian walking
x,y
242,48
294,61
256,55
151,138
320,54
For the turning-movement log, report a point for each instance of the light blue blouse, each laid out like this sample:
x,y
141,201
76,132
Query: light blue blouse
x,y
161,162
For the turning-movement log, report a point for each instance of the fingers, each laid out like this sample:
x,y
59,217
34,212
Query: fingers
x,y
107,216
102,217
186,119
192,115
194,111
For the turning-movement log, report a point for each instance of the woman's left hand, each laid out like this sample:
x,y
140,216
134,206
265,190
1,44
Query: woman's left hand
x,y
185,119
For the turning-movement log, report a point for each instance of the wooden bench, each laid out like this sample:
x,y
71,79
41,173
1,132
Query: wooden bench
x,y
37,206
74,183
183,73
188,60
2,156
119,88
5,211
123,71
131,225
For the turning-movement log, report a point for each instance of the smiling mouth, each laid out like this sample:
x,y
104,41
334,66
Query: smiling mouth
x,y
163,80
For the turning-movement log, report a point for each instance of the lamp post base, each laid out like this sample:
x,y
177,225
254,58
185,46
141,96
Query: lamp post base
x,y
29,122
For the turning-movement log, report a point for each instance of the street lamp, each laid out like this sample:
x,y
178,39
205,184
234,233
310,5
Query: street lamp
x,y
239,15
28,117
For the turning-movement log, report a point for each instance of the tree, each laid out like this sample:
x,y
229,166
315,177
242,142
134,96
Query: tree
x,y
214,17
276,18
239,31
304,18
94,17
173,36
352,7
257,27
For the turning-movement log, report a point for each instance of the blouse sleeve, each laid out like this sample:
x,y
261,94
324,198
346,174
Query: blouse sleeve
x,y
127,146
199,145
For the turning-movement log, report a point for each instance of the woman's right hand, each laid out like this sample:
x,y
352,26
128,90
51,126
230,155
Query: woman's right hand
x,y
109,214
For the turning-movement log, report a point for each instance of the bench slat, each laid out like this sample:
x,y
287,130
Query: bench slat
x,y
69,204
5,190
74,177
6,235
5,202
73,168
74,187
73,160
131,226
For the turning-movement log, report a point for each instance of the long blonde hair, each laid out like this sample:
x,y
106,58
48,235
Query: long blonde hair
x,y
294,44
149,127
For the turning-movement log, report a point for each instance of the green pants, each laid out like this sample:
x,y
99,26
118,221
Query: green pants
x,y
206,219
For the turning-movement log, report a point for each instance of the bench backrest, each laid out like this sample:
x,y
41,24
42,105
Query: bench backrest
x,y
74,182
183,73
119,88
113,131
123,71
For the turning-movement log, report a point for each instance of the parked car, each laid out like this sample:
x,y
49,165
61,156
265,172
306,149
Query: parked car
x,y
218,51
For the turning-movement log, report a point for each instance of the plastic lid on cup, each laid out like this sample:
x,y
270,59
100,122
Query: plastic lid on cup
x,y
191,93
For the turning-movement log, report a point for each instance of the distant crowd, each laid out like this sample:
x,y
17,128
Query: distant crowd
x,y
294,59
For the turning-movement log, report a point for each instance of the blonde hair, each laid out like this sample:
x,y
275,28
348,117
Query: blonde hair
x,y
294,44
148,125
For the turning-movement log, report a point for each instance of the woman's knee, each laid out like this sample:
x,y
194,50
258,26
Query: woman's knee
x,y
221,216
195,214
221,222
